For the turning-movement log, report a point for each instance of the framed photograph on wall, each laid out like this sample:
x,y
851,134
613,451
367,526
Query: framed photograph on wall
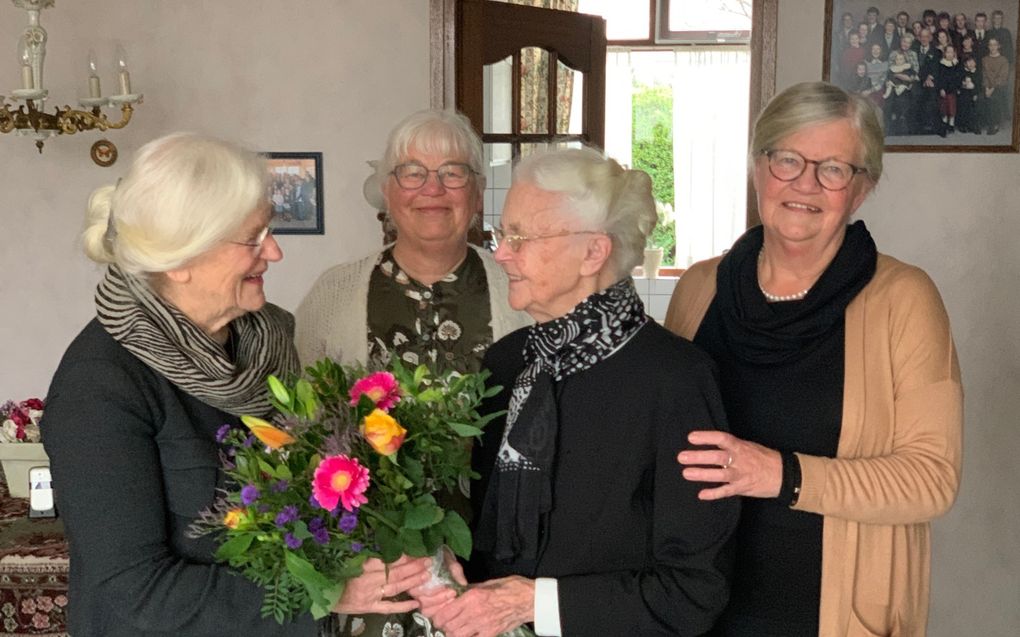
x,y
295,192
943,74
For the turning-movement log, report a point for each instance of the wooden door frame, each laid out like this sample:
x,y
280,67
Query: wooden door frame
x,y
764,25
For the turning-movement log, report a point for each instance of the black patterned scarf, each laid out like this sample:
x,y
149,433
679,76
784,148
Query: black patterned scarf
x,y
520,489
162,337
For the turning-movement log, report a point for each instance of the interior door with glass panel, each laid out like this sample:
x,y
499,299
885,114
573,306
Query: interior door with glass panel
x,y
528,78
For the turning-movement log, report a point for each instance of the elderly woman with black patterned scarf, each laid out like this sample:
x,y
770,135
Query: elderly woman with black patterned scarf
x,y
840,381
585,527
181,344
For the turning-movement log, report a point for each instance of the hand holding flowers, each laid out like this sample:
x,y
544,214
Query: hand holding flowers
x,y
345,483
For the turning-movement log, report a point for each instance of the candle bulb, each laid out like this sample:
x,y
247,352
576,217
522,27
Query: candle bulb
x,y
94,88
125,77
27,78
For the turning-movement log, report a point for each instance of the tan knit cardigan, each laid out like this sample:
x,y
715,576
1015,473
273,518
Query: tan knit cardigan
x,y
899,457
332,320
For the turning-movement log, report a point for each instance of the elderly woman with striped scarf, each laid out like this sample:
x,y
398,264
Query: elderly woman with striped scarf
x,y
181,344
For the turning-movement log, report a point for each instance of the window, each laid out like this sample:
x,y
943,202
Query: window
x,y
679,111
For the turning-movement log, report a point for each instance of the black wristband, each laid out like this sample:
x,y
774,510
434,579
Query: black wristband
x,y
789,492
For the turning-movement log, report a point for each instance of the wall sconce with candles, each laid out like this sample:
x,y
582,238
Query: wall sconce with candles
x,y
29,119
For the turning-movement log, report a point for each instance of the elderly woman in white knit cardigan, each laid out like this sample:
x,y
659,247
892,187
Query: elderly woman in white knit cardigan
x,y
429,297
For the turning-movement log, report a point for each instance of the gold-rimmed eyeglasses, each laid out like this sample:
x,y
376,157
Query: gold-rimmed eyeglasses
x,y
832,174
452,175
258,242
515,241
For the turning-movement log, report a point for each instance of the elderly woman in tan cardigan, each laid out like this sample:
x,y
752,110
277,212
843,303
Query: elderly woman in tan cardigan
x,y
841,383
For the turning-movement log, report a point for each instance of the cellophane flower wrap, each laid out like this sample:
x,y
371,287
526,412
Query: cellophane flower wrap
x,y
350,469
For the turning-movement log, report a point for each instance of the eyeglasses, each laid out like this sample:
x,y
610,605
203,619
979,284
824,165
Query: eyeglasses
x,y
515,241
832,174
412,176
258,242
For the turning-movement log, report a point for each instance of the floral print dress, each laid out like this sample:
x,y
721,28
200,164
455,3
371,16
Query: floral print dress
x,y
446,325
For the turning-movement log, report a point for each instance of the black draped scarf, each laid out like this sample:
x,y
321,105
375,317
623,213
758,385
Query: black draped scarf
x,y
759,335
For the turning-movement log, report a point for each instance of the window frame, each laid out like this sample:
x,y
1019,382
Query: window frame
x,y
764,26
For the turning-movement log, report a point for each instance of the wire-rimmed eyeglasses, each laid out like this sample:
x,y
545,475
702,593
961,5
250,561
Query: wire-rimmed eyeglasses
x,y
452,175
515,241
258,242
832,174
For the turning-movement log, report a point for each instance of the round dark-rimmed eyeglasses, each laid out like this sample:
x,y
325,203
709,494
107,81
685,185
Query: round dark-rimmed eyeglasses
x,y
515,241
832,174
258,242
412,175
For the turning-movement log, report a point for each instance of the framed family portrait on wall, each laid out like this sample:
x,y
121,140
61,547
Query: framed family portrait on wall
x,y
943,74
295,192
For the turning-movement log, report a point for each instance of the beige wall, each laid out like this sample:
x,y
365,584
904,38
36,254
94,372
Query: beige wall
x,y
956,216
334,76
326,75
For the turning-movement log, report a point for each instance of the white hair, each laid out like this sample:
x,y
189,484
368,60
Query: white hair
x,y
182,194
434,131
602,194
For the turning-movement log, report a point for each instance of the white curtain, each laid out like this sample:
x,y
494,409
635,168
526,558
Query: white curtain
x,y
619,106
710,111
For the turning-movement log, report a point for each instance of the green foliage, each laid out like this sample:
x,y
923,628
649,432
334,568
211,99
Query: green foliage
x,y
304,562
652,152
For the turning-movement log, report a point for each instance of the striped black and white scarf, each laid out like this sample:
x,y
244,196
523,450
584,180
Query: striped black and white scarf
x,y
520,489
166,340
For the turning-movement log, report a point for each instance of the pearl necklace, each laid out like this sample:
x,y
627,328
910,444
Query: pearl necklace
x,y
779,298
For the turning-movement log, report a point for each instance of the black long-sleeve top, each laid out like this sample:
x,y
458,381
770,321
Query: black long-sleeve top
x,y
134,461
633,549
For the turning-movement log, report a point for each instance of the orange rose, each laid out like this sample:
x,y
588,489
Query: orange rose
x,y
234,518
383,432
269,435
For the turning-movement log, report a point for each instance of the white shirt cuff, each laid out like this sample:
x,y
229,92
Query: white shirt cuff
x,y
547,607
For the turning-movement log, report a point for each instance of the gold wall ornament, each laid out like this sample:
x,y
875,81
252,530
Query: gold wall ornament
x,y
103,153
29,118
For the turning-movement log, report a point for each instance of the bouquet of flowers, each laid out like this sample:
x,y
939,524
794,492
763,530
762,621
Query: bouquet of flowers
x,y
350,469
19,422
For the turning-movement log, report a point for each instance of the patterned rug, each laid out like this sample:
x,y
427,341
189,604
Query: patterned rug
x,y
33,571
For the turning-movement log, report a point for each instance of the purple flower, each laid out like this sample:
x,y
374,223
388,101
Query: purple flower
x,y
279,486
291,541
348,521
249,494
222,433
286,515
357,547
249,441
321,535
315,524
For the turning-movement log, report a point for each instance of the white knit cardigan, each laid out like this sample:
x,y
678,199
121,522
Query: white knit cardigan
x,y
332,321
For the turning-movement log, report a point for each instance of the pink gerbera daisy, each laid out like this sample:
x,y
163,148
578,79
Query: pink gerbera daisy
x,y
340,479
381,387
